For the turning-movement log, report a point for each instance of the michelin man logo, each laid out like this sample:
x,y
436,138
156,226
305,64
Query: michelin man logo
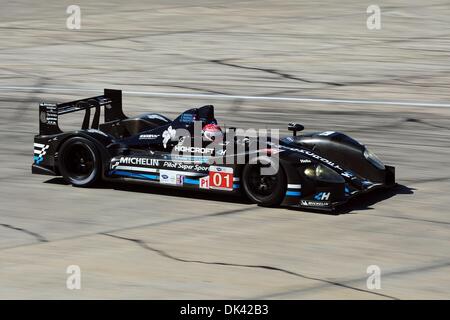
x,y
168,135
115,165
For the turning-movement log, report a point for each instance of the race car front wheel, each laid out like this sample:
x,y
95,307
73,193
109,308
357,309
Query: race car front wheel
x,y
79,162
265,190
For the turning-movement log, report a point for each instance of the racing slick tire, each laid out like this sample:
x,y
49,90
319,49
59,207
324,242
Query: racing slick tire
x,y
264,190
79,162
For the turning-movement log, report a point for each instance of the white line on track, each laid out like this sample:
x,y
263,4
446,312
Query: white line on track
x,y
243,97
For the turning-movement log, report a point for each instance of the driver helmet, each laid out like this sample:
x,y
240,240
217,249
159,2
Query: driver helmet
x,y
212,132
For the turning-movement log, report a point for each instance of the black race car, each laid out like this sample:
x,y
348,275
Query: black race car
x,y
316,171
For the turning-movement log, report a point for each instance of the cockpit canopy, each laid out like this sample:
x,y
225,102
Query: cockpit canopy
x,y
204,114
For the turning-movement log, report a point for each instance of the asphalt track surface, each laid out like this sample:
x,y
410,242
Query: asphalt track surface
x,y
142,242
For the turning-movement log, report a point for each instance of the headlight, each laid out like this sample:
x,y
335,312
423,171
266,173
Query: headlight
x,y
310,172
373,159
324,174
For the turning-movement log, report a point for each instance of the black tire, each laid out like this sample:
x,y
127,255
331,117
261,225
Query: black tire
x,y
79,162
264,190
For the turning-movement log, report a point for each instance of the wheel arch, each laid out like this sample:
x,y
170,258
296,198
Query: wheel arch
x,y
279,192
99,139
290,168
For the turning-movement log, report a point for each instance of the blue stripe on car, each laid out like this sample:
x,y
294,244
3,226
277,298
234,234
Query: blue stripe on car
x,y
190,181
135,175
291,193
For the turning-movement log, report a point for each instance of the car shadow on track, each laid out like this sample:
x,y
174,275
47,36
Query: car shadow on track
x,y
362,202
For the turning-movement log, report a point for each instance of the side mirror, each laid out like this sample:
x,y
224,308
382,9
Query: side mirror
x,y
294,127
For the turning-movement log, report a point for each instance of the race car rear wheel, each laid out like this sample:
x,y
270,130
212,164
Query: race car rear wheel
x,y
265,190
79,162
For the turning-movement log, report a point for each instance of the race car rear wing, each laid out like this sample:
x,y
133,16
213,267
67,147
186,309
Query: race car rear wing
x,y
111,100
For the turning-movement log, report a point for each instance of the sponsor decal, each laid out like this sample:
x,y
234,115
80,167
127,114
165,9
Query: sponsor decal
x,y
186,158
171,177
50,116
185,166
43,117
309,203
114,165
148,136
139,161
167,135
52,119
221,178
305,161
322,196
221,152
204,182
39,152
310,154
181,148
187,117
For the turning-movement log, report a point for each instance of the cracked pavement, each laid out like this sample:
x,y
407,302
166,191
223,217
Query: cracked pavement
x,y
148,243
